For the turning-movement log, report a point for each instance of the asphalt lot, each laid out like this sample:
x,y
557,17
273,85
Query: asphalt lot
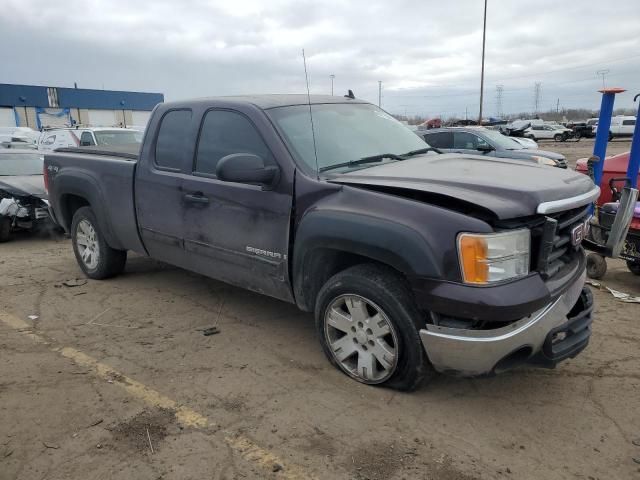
x,y
115,379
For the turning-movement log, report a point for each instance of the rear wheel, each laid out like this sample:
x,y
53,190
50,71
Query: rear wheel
x,y
596,266
368,325
5,229
96,259
634,267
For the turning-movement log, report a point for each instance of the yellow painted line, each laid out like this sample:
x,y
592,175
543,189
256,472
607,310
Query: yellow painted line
x,y
240,444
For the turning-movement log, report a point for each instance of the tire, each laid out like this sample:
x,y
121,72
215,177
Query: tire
x,y
634,267
610,136
558,137
596,266
96,259
577,136
344,307
5,229
532,137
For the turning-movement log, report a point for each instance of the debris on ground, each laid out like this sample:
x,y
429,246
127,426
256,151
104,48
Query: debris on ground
x,y
145,431
33,317
209,331
622,296
76,282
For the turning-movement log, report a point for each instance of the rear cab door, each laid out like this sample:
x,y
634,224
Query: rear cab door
x,y
238,232
160,175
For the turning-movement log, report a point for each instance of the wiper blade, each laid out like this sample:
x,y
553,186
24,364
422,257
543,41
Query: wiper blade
x,y
360,161
421,151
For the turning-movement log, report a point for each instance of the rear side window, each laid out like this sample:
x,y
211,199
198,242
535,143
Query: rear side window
x,y
439,139
628,122
224,133
172,139
467,141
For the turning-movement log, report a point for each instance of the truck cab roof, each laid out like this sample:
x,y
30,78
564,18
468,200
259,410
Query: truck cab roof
x,y
266,102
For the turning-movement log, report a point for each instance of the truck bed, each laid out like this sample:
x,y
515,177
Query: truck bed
x,y
105,177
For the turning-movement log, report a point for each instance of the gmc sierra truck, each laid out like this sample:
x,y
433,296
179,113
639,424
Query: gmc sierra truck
x,y
413,262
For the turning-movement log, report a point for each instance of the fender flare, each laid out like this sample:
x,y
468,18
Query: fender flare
x,y
394,244
83,185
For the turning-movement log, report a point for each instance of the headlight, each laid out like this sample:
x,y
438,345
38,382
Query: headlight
x,y
544,161
489,258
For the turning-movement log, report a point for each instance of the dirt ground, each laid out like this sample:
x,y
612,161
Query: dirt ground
x,y
116,380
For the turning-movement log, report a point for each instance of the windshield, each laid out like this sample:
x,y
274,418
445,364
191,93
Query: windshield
x,y
343,133
21,164
116,137
501,141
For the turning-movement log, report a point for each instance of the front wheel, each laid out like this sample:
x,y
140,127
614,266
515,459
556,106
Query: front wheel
x,y
368,325
558,137
5,229
96,259
634,267
577,136
596,266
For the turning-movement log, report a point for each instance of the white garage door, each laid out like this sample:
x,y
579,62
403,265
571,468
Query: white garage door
x,y
102,118
140,118
7,117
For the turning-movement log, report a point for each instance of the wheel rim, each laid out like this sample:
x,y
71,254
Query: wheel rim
x,y
361,338
87,242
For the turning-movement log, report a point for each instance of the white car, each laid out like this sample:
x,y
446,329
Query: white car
x,y
551,132
80,137
621,126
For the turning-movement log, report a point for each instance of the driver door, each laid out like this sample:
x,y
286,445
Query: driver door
x,y
235,232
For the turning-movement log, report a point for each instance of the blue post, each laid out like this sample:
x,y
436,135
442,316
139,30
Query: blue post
x,y
634,156
602,134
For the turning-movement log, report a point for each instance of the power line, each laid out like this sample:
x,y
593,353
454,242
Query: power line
x,y
536,95
499,89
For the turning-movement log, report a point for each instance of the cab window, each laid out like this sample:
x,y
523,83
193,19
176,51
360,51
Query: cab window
x,y
86,139
223,133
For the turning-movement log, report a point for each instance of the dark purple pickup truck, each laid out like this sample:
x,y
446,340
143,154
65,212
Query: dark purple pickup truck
x,y
412,261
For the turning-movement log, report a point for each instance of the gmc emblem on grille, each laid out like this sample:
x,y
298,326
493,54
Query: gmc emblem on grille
x,y
579,233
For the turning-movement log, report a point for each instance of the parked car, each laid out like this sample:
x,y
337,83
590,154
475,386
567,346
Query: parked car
x,y
621,126
580,130
482,141
412,261
23,200
73,137
548,132
19,134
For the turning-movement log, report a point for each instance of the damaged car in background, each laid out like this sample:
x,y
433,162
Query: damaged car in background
x,y
23,200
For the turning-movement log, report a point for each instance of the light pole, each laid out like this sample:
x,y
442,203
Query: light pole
x,y
332,76
603,73
484,36
380,93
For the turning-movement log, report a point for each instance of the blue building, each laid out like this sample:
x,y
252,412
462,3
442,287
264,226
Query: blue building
x,y
39,107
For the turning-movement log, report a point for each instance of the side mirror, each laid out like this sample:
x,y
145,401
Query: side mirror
x,y
245,168
485,148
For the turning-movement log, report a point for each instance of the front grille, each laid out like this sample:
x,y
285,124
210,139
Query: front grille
x,y
553,240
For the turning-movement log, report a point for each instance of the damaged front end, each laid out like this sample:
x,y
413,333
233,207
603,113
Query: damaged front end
x,y
26,212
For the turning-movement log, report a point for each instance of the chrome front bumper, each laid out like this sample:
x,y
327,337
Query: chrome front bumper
x,y
478,352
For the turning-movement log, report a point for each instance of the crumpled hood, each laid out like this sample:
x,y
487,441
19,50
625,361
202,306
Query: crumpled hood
x,y
507,188
23,185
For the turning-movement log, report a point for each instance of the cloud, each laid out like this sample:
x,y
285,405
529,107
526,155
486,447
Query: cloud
x,y
427,54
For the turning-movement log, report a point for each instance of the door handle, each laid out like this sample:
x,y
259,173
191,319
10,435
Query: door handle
x,y
197,197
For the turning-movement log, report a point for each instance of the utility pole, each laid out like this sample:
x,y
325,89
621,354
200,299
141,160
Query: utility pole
x,y
332,76
484,37
466,113
536,96
558,106
380,93
499,89
603,73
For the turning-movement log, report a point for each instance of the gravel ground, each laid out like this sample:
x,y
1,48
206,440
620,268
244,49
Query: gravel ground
x,y
90,388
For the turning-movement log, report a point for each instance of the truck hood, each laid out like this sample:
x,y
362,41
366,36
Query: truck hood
x,y
541,153
505,187
23,185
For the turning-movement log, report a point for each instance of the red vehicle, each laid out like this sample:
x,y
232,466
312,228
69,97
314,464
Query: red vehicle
x,y
615,167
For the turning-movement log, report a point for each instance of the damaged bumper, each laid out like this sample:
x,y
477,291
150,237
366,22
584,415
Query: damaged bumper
x,y
555,332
